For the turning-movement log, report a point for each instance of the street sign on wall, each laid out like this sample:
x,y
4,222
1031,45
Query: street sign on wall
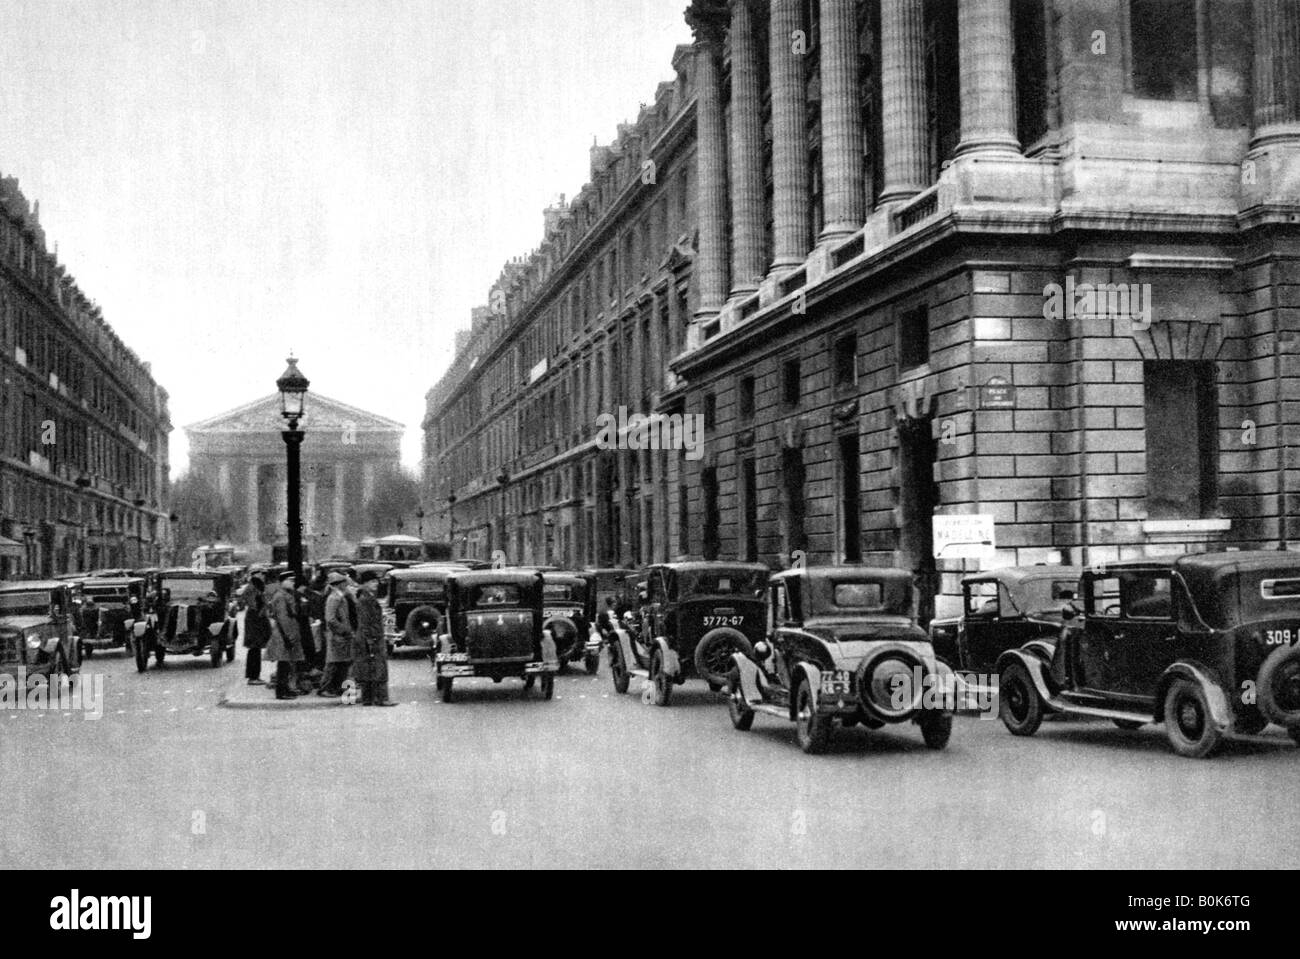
x,y
998,393
963,537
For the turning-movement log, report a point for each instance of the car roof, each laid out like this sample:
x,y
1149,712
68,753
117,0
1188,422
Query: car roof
x,y
487,577
704,565
1025,574
844,572
34,586
186,572
426,572
1244,560
565,575
119,581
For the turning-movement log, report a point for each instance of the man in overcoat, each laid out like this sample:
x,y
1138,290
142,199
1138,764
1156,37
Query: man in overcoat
x,y
257,629
370,645
285,647
340,626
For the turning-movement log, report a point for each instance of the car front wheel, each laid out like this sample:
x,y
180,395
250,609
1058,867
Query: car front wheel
x,y
663,684
618,670
812,729
1188,722
1022,708
742,717
591,662
936,729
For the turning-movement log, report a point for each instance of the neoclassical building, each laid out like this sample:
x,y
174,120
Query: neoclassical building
x,y
1033,260
344,453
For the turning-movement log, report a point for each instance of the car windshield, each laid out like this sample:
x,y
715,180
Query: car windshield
x,y
189,590
1044,595
108,594
749,583
495,594
1251,595
401,554
564,593
423,588
25,604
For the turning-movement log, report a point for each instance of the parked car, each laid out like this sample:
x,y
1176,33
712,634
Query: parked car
x,y
110,609
691,618
1206,644
193,618
843,647
36,629
415,605
1005,609
494,631
568,611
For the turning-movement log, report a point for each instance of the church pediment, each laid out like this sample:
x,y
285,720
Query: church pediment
x,y
323,413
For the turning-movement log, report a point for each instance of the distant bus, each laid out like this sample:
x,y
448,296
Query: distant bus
x,y
402,549
214,556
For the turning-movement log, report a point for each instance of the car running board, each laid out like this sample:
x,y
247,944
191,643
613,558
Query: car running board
x,y
768,709
1098,712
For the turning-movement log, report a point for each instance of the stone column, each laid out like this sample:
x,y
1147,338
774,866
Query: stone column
x,y
281,506
309,513
223,484
711,178
340,503
790,213
253,505
747,263
1277,71
988,93
367,482
903,99
842,165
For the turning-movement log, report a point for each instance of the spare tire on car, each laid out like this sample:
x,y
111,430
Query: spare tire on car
x,y
713,654
1278,687
422,624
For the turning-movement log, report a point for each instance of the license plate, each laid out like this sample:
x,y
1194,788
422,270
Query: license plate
x,y
713,621
835,685
1281,637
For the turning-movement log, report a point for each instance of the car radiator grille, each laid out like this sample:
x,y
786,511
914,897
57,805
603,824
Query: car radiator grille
x,y
11,649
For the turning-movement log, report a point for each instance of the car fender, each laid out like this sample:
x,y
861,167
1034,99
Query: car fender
x,y
624,640
549,655
1036,668
752,680
804,672
1220,708
672,665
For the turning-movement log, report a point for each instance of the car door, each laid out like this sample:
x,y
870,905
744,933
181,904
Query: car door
x,y
778,665
1092,648
977,637
1145,641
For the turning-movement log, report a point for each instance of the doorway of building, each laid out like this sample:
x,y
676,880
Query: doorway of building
x,y
918,451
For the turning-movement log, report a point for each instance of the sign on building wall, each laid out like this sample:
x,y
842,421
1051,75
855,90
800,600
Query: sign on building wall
x,y
963,537
998,394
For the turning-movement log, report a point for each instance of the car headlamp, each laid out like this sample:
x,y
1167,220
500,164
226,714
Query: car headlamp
x,y
33,641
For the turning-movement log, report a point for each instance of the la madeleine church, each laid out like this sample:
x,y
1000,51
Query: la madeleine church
x,y
344,452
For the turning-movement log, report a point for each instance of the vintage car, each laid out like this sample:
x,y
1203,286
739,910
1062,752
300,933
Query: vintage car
x,y
842,646
193,618
1005,609
415,605
494,631
691,618
568,611
1206,644
110,609
36,629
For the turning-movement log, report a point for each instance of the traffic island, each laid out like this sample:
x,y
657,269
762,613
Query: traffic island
x,y
239,695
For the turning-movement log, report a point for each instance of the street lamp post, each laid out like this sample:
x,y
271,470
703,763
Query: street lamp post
x,y
293,392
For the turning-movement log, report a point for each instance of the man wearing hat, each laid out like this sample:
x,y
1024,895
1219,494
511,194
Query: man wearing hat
x,y
257,628
340,626
285,647
370,645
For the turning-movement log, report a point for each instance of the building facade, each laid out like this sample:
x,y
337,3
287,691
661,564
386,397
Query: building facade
x,y
345,453
1029,259
84,428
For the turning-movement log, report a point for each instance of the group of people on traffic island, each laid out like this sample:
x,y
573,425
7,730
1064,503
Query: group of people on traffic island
x,y
318,636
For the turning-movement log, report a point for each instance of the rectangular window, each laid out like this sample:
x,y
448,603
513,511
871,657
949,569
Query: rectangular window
x,y
709,489
749,480
745,398
845,360
710,411
684,518
1182,439
1163,48
791,382
914,338
850,499
793,483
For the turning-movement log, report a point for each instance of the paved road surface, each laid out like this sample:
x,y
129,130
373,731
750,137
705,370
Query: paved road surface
x,y
166,778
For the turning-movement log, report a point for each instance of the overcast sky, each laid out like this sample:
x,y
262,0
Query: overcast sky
x,y
232,179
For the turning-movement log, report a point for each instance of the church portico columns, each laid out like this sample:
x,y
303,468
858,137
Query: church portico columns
x,y
253,503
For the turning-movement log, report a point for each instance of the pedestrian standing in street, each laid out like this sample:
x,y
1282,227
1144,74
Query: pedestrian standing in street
x,y
257,629
340,625
319,590
285,647
370,645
